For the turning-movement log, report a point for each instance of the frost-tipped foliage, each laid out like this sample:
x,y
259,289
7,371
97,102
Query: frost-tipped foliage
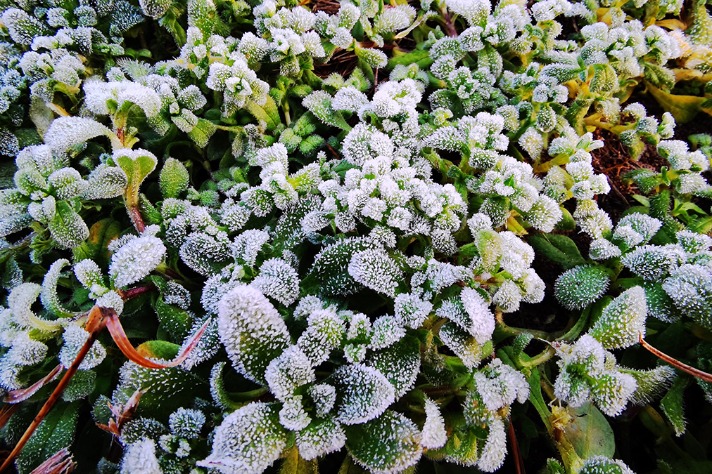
x,y
365,207
248,440
251,330
581,286
622,321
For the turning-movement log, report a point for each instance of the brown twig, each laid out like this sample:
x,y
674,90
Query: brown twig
x,y
676,363
20,395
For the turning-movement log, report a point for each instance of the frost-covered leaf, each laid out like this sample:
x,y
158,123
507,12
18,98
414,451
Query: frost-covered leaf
x,y
251,330
363,393
375,269
387,444
321,437
248,440
66,132
173,178
67,227
134,260
580,286
399,363
623,320
54,433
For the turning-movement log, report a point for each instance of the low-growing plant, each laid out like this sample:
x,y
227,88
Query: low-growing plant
x,y
357,235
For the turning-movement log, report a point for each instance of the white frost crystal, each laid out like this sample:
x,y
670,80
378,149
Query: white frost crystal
x,y
74,338
434,434
481,318
374,269
363,392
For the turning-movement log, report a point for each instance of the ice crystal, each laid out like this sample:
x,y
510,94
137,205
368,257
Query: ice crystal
x,y
186,423
495,448
434,434
375,269
278,280
320,438
580,286
141,457
289,371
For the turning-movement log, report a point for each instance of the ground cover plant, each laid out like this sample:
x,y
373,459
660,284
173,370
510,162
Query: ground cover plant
x,y
383,236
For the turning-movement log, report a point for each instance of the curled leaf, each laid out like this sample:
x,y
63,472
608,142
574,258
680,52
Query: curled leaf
x,y
122,342
20,395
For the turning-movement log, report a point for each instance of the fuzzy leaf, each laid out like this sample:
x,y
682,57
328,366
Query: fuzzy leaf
x,y
363,393
557,248
137,164
622,321
173,178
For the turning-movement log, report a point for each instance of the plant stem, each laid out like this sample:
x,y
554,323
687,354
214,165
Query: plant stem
x,y
676,363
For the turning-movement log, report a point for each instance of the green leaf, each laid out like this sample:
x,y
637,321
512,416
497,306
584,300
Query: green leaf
x,y
54,433
604,79
420,57
158,350
137,164
295,464
400,363
672,405
329,273
202,132
660,76
174,321
204,15
96,245
248,440
166,390
67,227
388,443
173,178
267,113
588,432
560,249
251,330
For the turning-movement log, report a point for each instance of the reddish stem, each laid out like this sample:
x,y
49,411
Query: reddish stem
x,y
676,363
518,464
135,292
137,218
449,26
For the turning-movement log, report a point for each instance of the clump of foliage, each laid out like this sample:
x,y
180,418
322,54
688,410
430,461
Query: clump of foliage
x,y
321,235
